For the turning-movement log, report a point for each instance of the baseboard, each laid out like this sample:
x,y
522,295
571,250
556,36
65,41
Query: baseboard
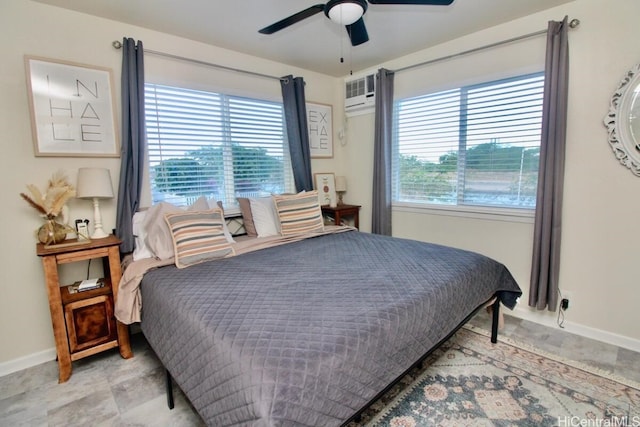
x,y
27,361
43,356
550,320
542,318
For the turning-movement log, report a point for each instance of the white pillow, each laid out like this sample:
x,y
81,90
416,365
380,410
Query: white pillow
x,y
139,234
265,216
199,205
158,237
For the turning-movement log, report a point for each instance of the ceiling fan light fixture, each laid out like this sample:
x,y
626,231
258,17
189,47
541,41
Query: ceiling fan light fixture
x,y
345,12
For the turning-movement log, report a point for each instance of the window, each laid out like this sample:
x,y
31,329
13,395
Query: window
x,y
214,145
476,145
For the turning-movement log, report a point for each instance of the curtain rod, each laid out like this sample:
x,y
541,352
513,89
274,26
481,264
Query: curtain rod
x,y
118,45
574,23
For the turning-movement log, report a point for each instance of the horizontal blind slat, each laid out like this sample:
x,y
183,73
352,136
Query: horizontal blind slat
x,y
497,127
221,146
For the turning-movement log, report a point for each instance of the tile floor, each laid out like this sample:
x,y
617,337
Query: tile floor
x,y
106,390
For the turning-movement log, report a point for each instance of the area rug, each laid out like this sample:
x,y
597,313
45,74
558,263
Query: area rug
x,y
471,382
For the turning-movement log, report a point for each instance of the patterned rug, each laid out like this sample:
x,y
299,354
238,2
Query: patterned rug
x,y
471,382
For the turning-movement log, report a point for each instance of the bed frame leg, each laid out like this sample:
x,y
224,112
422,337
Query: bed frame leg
x,y
169,383
495,311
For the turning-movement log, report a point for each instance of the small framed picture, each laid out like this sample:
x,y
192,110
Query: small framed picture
x,y
326,185
72,109
320,125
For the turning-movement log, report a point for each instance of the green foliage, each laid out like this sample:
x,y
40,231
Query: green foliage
x,y
201,172
449,161
497,163
490,156
419,178
182,176
498,157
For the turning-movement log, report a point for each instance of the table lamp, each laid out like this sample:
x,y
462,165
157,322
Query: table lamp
x,y
341,188
95,183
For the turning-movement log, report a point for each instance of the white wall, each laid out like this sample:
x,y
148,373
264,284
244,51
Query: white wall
x,y
601,199
31,28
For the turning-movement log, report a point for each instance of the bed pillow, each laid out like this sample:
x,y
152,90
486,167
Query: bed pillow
x,y
158,236
141,251
247,218
213,204
265,218
299,213
198,236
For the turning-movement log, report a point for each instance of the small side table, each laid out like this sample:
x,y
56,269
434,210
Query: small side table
x,y
341,211
83,322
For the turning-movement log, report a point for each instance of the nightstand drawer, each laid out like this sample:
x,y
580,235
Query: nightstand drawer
x,y
90,322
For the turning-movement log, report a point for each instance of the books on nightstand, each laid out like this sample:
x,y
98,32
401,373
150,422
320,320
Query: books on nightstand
x,y
85,285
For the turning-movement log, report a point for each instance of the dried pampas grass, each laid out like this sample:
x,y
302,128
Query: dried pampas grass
x,y
56,195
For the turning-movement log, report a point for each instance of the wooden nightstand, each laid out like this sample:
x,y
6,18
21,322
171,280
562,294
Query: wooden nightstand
x,y
341,211
83,322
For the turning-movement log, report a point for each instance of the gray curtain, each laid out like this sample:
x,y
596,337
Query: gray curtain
x,y
295,114
381,209
545,267
133,141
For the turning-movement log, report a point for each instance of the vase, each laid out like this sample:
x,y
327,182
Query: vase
x,y
51,232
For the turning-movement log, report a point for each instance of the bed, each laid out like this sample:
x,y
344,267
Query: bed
x,y
310,330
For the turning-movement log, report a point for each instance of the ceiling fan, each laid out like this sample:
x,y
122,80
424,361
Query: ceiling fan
x,y
345,12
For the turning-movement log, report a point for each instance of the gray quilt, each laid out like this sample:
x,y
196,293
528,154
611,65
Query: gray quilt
x,y
307,333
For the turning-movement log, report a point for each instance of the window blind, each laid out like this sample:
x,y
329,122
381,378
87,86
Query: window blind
x,y
475,145
214,145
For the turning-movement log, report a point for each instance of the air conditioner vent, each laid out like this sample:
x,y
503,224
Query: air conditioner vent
x,y
360,94
355,88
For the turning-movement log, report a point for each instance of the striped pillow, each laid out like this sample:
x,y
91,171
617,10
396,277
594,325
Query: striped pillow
x,y
299,213
198,236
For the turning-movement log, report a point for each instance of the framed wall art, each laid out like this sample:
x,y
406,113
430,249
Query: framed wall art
x,y
320,124
325,183
72,110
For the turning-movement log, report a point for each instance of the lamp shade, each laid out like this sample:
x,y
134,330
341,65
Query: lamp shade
x,y
345,13
341,183
94,183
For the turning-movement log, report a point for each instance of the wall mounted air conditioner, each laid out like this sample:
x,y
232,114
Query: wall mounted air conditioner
x,y
360,94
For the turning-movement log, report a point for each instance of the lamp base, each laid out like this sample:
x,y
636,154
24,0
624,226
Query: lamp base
x,y
99,234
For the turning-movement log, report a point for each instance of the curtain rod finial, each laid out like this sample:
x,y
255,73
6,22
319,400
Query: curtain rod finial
x,y
117,44
574,23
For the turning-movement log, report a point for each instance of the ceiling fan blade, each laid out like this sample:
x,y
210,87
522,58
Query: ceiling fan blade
x,y
297,17
423,2
357,32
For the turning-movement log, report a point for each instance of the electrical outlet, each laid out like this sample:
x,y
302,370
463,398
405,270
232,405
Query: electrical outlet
x,y
566,298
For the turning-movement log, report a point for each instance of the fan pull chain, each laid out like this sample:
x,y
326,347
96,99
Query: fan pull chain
x,y
341,51
350,60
